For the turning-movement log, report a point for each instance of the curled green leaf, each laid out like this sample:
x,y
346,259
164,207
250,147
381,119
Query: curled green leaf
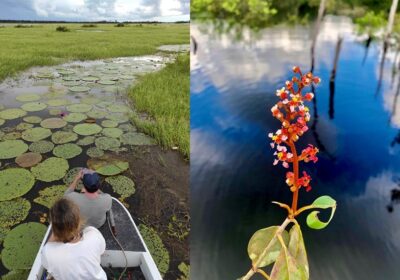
x,y
323,202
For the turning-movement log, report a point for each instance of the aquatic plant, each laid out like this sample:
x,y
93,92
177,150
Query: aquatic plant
x,y
75,117
97,114
106,82
28,97
49,195
58,102
12,135
135,138
28,159
108,165
53,123
79,108
23,126
67,151
107,143
32,119
12,212
36,134
70,176
118,108
122,185
41,147
52,169
118,117
185,270
16,274
87,129
112,132
79,88
62,137
86,141
12,148
12,113
15,182
90,100
34,106
94,152
109,124
274,245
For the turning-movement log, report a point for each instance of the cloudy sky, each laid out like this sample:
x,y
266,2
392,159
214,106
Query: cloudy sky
x,y
94,10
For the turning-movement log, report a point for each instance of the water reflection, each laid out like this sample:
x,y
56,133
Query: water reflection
x,y
233,86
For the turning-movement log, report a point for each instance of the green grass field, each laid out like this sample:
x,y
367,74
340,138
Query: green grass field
x,y
165,96
41,45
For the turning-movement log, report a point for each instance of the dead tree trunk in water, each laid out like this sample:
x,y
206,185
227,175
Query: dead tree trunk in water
x,y
321,11
332,78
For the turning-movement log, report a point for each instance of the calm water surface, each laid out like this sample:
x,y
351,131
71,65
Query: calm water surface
x,y
233,180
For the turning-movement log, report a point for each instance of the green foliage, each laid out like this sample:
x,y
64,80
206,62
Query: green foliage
x,y
52,169
122,185
34,106
323,202
53,123
28,97
35,134
107,143
70,176
49,195
33,119
86,141
87,129
94,152
67,151
79,108
41,147
75,117
89,25
12,212
109,123
12,148
108,165
62,29
185,270
16,275
297,249
112,132
371,22
12,113
28,159
62,137
15,182
136,139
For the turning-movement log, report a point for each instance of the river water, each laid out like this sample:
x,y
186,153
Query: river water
x,y
356,128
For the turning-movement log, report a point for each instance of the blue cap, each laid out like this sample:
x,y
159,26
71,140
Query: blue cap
x,y
91,182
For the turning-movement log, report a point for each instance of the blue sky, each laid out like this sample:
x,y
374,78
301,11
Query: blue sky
x,y
95,10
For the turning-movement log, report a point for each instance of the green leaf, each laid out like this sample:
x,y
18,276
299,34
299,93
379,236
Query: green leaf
x,y
323,202
262,239
298,250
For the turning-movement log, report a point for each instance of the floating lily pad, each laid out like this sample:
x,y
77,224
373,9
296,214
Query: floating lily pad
x,y
34,106
21,245
94,152
36,134
49,195
118,117
28,97
156,247
52,169
58,102
15,182
28,159
71,78
65,72
75,117
122,185
79,89
109,123
107,143
108,165
12,135
13,113
135,138
44,75
62,137
72,83
53,123
79,108
23,126
54,94
97,114
112,132
55,112
90,100
86,129
118,108
127,127
16,274
70,176
12,212
32,119
41,147
12,148
86,141
104,104
67,151
106,82
2,122
90,79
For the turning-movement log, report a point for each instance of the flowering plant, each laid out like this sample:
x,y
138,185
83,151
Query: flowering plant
x,y
275,245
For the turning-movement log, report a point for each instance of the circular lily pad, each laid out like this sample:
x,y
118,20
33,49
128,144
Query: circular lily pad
x,y
67,151
64,72
79,108
34,106
90,100
23,126
104,104
12,148
107,143
28,97
79,89
15,182
54,94
41,147
28,159
109,123
94,152
127,127
12,135
55,112
86,141
71,78
106,82
118,117
52,169
72,83
36,134
70,176
86,129
108,165
135,138
90,79
13,113
62,137
58,102
21,245
118,108
97,114
32,119
122,185
49,195
53,123
44,75
12,212
16,274
75,117
112,132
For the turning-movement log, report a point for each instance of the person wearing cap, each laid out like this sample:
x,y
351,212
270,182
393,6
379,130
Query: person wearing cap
x,y
94,205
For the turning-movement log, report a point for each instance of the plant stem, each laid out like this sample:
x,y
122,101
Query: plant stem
x,y
263,273
254,269
296,175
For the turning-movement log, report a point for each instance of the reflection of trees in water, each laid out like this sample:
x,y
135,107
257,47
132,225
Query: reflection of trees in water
x,y
394,196
367,45
333,77
382,65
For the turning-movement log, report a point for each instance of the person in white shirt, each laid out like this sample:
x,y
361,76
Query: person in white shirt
x,y
72,253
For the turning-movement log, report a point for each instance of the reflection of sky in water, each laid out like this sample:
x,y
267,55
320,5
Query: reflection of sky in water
x,y
233,180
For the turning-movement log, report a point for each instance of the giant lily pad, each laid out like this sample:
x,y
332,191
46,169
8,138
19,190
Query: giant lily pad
x,y
94,152
23,126
53,123
86,141
12,135
51,169
41,147
70,176
12,148
62,137
21,245
12,212
49,195
86,129
97,114
90,79
28,159
156,247
90,100
122,185
79,108
107,143
12,113
75,117
118,108
118,117
127,127
15,182
32,119
108,165
16,274
44,75
109,123
67,151
58,102
55,112
112,132
71,78
34,106
134,138
79,89
65,72
36,134
106,82
72,83
28,97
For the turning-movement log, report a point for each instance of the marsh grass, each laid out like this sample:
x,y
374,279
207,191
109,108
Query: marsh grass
x,y
164,95
62,29
89,25
22,48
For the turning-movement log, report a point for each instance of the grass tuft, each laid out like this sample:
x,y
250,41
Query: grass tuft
x,y
87,25
62,29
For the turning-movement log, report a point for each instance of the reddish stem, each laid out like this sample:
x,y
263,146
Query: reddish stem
x,y
296,175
